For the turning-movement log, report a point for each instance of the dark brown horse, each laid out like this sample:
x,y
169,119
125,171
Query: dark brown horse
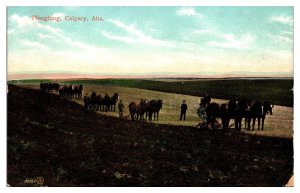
x,y
157,106
234,113
151,108
212,112
106,102
136,110
113,101
259,111
49,87
224,115
77,91
244,112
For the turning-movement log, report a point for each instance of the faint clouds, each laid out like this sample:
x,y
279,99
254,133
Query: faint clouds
x,y
283,19
34,45
11,31
43,36
281,38
288,32
203,31
231,41
135,36
188,11
24,23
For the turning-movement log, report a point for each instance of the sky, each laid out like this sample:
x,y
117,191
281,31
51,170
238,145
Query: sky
x,y
128,41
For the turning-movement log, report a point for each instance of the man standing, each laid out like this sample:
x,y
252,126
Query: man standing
x,y
121,109
183,108
201,111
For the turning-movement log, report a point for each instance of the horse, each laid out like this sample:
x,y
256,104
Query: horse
x,y
267,108
224,115
234,113
77,91
244,112
256,113
99,102
49,87
212,112
106,102
150,108
93,101
259,112
113,101
63,91
54,86
70,91
136,109
157,106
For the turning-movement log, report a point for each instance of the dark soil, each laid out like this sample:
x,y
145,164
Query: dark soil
x,y
58,140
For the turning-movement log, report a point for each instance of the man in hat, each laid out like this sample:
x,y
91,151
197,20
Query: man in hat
x,y
183,108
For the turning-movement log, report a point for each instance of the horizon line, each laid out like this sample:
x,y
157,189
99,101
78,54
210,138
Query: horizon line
x,y
70,76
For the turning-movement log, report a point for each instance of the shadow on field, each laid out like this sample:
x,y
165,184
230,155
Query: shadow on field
x,y
58,140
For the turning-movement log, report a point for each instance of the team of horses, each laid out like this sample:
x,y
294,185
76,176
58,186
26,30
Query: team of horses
x,y
150,108
65,91
49,87
238,110
71,91
101,103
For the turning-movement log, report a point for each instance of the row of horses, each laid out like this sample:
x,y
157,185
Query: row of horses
x,y
101,103
66,91
234,109
71,91
239,110
150,108
49,87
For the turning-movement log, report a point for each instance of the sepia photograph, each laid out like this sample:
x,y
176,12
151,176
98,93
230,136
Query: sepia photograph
x,y
150,96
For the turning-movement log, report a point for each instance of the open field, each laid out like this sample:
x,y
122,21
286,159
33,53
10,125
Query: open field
x,y
58,140
279,91
280,124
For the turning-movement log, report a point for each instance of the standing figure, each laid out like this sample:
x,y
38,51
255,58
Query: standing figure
x,y
201,111
183,108
121,109
86,100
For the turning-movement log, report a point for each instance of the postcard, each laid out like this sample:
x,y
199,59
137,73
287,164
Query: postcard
x,y
150,96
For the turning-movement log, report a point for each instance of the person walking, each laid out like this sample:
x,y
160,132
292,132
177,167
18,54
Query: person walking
x,y
183,109
121,109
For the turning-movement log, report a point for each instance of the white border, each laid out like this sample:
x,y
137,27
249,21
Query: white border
x,y
4,3
3,96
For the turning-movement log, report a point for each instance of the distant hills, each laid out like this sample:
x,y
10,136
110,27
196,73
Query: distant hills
x,y
73,75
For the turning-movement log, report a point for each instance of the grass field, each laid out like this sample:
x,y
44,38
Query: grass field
x,y
280,124
279,91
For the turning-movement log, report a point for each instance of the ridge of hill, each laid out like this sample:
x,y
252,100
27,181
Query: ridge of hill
x,y
58,140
